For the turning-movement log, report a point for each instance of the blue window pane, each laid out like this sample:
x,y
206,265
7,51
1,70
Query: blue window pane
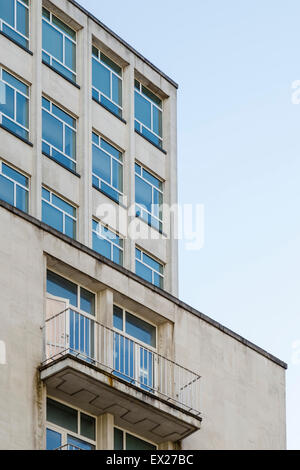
x,y
70,142
14,35
63,27
103,247
14,128
53,440
117,171
22,19
143,271
65,161
112,107
101,78
158,280
138,169
137,126
46,58
6,190
95,138
52,131
110,192
152,263
70,227
150,136
157,121
46,194
95,226
7,11
70,57
63,116
117,90
134,443
60,287
101,164
57,201
65,72
74,444
52,41
140,330
52,216
117,256
14,82
22,110
46,104
96,95
118,318
142,110
22,199
96,182
15,175
118,439
87,301
7,100
152,179
110,149
143,193
138,254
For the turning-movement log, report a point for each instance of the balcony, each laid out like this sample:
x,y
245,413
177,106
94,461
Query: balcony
x,y
103,371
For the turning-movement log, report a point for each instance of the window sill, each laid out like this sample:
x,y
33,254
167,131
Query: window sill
x,y
16,135
107,109
148,140
60,164
109,197
61,75
16,43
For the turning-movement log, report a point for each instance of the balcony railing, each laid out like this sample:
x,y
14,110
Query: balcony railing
x,y
68,447
71,332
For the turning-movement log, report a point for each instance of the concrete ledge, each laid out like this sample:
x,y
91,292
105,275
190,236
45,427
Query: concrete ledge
x,y
136,278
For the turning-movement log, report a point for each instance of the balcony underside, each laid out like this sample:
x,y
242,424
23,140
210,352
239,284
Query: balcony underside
x,y
97,392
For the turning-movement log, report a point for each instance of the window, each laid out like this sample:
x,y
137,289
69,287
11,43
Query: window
x,y
107,243
148,114
59,134
134,349
14,20
149,269
148,197
107,82
59,45
14,104
68,428
79,319
107,168
14,187
125,441
58,214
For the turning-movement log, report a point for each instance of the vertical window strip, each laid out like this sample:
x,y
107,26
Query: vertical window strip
x,y
155,216
98,57
65,210
16,192
108,185
50,58
15,119
155,103
67,122
11,28
116,243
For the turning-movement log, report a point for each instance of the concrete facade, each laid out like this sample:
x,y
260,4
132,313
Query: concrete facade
x,y
242,388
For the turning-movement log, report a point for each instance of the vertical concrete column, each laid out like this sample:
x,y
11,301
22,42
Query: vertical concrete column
x,y
105,432
35,107
168,446
84,150
171,189
129,157
105,306
166,340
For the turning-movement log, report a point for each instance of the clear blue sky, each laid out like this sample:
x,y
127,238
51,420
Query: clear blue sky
x,y
239,155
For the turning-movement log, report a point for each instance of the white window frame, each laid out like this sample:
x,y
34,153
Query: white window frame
x,y
65,432
60,210
160,108
64,124
112,243
149,267
134,435
112,72
14,28
15,101
50,22
143,208
120,162
15,182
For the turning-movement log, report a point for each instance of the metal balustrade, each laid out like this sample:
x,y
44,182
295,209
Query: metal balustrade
x,y
72,332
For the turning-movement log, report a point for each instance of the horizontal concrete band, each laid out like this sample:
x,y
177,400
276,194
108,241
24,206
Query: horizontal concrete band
x,y
136,278
134,51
